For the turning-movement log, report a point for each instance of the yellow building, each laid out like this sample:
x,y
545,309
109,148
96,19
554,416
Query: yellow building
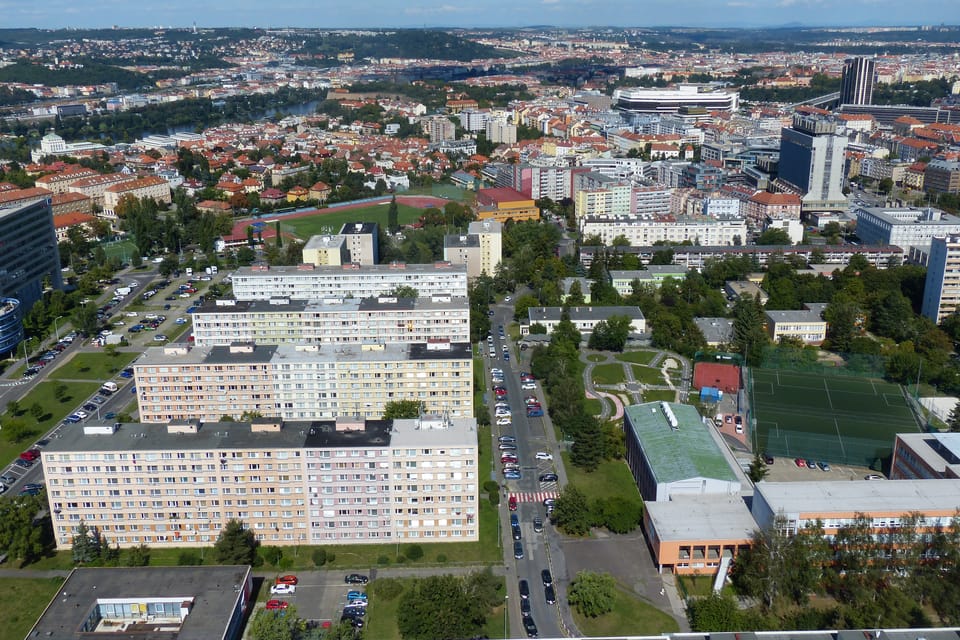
x,y
503,204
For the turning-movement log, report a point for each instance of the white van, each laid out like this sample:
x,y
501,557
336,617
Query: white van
x,y
109,387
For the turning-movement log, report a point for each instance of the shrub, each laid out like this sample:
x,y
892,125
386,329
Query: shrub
x,y
414,552
441,558
491,486
319,557
188,557
494,498
386,588
383,560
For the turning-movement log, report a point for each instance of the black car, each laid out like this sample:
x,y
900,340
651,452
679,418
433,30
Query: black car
x,y
525,608
355,612
356,578
546,577
530,627
548,477
767,458
26,464
355,621
538,525
524,589
516,532
550,595
89,407
518,550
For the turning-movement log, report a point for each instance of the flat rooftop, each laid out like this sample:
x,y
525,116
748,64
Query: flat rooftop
x,y
214,592
335,305
582,313
701,518
894,497
689,451
328,271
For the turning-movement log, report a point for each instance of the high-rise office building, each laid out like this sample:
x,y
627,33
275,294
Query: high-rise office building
x,y
856,84
812,162
28,244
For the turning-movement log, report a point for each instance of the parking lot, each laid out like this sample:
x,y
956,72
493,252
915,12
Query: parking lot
x,y
320,595
786,470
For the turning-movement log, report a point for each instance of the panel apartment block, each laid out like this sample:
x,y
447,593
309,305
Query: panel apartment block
x,y
301,382
281,321
342,481
310,282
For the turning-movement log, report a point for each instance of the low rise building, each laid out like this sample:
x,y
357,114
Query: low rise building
x,y
301,382
337,481
326,251
95,187
152,187
503,204
652,276
741,288
806,325
908,227
583,318
223,322
925,456
716,331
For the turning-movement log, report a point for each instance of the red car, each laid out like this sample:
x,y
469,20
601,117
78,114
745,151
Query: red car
x,y
287,580
800,462
513,503
30,455
277,605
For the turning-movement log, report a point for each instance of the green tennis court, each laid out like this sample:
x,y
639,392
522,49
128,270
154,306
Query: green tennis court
x,y
844,420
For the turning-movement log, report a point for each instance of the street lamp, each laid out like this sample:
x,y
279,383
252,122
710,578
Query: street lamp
x,y
56,328
506,601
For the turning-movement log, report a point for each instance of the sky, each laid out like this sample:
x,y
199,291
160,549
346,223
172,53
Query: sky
x,y
477,13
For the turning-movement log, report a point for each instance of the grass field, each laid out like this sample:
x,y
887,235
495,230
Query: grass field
x,y
123,250
596,357
93,366
655,395
332,219
611,478
636,357
648,375
844,420
22,600
53,411
592,406
611,373
630,617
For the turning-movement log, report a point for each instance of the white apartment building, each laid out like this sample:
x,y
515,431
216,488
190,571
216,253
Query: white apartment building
x,y
342,481
499,131
721,207
642,232
362,241
301,382
279,321
583,318
473,119
481,249
907,228
941,292
310,282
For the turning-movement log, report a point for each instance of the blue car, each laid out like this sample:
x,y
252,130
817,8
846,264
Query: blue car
x,y
73,418
511,474
356,595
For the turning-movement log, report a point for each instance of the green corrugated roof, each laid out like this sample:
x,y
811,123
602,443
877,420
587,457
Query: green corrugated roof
x,y
677,454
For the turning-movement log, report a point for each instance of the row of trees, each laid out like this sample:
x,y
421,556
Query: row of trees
x,y
876,579
575,515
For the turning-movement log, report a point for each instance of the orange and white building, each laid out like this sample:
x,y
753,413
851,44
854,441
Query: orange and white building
x,y
150,187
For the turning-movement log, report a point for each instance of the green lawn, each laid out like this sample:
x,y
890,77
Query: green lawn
x,y
596,357
696,585
22,600
630,616
611,373
648,375
93,366
333,219
636,357
659,394
611,478
592,406
123,250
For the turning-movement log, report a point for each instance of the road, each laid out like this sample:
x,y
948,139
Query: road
x,y
540,550
16,388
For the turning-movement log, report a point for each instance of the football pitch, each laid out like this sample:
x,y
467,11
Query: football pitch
x,y
843,420
330,220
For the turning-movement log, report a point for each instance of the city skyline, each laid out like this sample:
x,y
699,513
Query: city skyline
x,y
56,14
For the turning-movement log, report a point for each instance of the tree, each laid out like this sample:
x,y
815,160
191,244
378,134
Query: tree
x,y
749,338
17,430
587,451
610,334
235,545
592,593
85,319
36,410
774,236
85,545
713,613
14,408
404,291
758,468
396,409
571,513
276,625
393,216
953,420
138,556
885,185
617,513
439,607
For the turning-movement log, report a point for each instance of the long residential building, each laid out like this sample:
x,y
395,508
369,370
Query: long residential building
x,y
311,282
281,321
649,231
908,227
672,100
694,257
301,382
343,481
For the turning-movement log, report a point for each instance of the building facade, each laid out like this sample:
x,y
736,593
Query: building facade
x,y
301,382
812,160
326,251
908,227
583,318
674,99
309,282
480,249
856,81
363,242
925,456
941,292
343,481
223,322
645,232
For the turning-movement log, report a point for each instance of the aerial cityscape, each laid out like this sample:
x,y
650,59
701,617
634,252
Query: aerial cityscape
x,y
424,321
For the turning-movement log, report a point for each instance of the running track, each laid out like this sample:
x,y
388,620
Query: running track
x,y
269,230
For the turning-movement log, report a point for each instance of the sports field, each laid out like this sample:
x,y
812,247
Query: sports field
x,y
843,420
330,220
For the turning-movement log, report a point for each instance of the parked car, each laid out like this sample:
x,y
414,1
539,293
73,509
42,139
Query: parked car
x,y
550,595
512,502
30,455
277,605
524,589
872,476
525,608
823,466
356,578
811,464
518,550
546,577
507,439
548,477
526,386
356,595
504,421
23,464
288,580
512,474
538,525
530,627
543,455
8,479
800,462
283,589
767,459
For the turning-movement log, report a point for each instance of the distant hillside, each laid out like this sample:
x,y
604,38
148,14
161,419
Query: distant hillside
x,y
407,43
93,73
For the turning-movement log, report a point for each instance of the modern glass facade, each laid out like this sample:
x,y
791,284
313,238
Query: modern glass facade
x,y
11,325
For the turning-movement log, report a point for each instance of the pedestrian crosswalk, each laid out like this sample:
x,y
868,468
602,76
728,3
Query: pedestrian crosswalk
x,y
534,496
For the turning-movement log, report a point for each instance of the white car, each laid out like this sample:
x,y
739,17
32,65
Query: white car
x,y
496,371
543,455
504,421
131,314
83,414
528,386
503,413
283,589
